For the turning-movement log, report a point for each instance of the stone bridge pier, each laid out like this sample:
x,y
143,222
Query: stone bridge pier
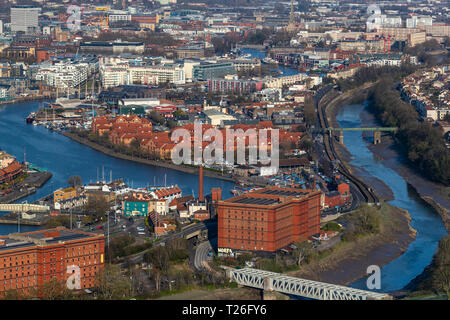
x,y
376,137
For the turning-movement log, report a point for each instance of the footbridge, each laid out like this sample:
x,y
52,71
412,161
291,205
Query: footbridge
x,y
271,281
376,132
23,207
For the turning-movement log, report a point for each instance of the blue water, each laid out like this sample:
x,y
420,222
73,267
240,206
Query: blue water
x,y
430,228
64,157
262,54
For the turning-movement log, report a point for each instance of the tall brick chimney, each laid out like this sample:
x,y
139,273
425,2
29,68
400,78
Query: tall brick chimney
x,y
200,183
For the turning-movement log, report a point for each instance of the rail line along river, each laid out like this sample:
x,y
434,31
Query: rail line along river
x,y
428,224
65,157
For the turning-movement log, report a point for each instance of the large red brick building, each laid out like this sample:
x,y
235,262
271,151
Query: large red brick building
x,y
267,219
28,260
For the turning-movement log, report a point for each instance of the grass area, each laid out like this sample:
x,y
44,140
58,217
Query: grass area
x,y
191,288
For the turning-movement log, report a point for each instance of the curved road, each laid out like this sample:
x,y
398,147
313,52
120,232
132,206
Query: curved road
x,y
201,253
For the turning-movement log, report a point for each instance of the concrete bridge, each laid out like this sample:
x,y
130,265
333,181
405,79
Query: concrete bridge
x,y
23,207
271,281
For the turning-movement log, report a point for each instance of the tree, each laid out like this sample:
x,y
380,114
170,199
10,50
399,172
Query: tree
x,y
441,274
158,257
365,220
12,294
310,111
111,284
74,181
55,289
58,221
97,205
307,144
156,117
304,252
135,145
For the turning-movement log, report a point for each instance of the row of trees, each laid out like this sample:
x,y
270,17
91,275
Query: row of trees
x,y
373,74
437,275
424,144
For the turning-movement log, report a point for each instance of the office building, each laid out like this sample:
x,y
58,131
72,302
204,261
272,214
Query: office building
x,y
25,18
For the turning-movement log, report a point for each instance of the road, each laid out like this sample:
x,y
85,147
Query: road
x,y
138,257
201,253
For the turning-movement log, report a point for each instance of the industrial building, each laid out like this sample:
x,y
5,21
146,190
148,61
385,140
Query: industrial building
x,y
268,219
28,260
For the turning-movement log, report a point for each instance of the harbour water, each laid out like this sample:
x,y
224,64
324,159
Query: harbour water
x,y
254,53
65,157
428,224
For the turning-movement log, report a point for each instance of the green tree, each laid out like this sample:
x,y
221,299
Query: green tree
x,y
441,272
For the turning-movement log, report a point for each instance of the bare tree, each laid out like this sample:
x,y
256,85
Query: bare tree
x,y
112,284
74,181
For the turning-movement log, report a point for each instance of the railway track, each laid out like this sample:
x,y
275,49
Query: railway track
x,y
330,151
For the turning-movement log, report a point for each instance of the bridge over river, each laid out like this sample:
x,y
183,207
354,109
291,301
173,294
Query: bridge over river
x,y
271,281
376,132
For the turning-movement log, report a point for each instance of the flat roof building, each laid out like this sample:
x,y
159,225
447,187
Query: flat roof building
x,y
25,18
28,260
268,219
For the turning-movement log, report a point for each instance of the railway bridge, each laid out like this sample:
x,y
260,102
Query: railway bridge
x,y
271,281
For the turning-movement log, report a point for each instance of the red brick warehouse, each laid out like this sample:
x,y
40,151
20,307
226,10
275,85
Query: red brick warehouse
x,y
268,219
28,260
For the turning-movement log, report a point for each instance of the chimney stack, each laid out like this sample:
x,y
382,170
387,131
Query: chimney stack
x,y
200,183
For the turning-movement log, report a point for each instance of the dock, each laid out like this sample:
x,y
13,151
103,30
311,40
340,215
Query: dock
x,y
30,183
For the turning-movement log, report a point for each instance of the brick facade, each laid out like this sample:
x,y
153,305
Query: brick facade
x,y
30,259
246,222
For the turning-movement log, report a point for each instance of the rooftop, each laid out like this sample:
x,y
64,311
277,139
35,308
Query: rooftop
x,y
41,238
270,196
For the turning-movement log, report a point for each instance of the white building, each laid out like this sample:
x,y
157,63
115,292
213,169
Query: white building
x,y
66,73
158,74
383,21
416,21
25,18
119,17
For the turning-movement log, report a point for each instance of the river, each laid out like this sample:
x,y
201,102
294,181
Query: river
x,y
428,224
64,157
